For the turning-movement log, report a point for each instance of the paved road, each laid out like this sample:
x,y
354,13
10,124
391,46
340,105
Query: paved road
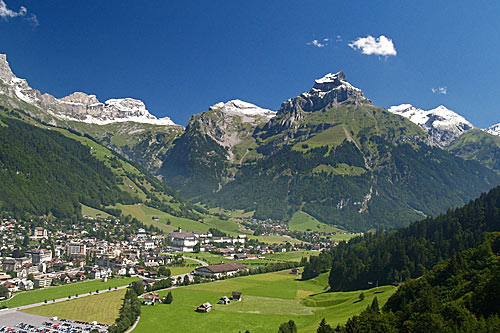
x,y
197,260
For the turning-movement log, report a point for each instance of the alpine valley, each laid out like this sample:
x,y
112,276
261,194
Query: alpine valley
x,y
329,152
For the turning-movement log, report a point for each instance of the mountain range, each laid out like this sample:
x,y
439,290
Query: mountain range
x,y
329,151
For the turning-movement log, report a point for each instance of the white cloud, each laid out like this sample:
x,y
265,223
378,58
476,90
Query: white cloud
x,y
382,46
440,90
6,13
318,43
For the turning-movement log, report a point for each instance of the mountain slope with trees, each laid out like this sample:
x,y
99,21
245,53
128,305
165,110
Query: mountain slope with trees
x,y
397,255
43,172
329,152
460,294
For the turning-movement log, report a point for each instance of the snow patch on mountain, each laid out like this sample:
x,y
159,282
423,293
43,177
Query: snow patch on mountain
x,y
443,125
494,130
237,106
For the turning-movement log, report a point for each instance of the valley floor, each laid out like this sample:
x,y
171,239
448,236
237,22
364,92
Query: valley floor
x,y
268,300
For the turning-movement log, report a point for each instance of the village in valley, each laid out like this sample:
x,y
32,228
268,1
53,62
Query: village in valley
x,y
42,253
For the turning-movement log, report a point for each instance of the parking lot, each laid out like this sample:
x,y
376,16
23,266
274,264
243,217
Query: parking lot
x,y
20,322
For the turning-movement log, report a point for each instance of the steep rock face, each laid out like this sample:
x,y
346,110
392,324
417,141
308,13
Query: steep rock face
x,y
494,130
77,106
214,141
124,125
443,125
332,90
230,123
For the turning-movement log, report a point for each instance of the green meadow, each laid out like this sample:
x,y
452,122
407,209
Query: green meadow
x,y
79,288
268,300
103,308
302,221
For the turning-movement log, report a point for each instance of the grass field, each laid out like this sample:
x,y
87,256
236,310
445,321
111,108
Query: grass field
x,y
207,257
268,300
92,212
291,256
40,295
103,308
270,239
302,221
145,214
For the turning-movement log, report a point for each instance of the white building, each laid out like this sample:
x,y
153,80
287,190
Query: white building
x,y
219,270
182,241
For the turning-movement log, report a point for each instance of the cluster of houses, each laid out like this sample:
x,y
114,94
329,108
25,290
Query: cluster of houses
x,y
224,300
70,259
180,241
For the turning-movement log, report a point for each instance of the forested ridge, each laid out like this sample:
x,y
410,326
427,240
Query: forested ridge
x,y
460,294
411,179
43,172
395,256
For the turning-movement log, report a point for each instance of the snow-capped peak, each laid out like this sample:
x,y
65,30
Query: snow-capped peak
x,y
78,106
333,81
494,130
443,124
240,107
330,77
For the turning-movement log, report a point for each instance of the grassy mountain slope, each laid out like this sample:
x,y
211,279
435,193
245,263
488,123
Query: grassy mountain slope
x,y
356,166
479,146
121,181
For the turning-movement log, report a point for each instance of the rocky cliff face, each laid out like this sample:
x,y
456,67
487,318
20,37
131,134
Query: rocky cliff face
x,y
332,90
230,123
77,106
442,124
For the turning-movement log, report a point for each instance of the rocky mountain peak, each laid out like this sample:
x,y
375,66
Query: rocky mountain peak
x,y
80,98
328,91
442,124
77,106
6,74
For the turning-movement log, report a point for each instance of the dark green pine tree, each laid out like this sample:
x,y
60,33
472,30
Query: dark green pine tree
x,y
374,306
169,299
324,327
288,327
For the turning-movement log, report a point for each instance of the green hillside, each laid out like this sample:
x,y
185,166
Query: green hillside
x,y
349,164
111,179
395,256
460,294
44,172
479,146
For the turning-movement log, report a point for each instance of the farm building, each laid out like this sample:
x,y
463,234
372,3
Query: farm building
x,y
151,299
236,296
205,307
219,270
224,300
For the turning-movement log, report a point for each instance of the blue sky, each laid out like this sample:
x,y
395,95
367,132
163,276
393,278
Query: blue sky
x,y
180,57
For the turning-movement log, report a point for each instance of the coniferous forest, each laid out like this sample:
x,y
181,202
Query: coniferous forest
x,y
44,172
395,256
460,294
